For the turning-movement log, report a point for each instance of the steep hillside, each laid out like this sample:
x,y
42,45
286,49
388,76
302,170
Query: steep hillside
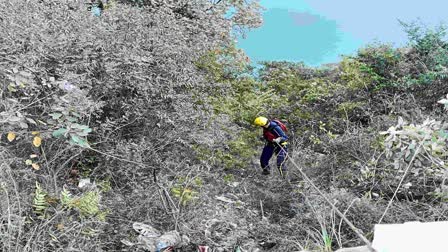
x,y
143,114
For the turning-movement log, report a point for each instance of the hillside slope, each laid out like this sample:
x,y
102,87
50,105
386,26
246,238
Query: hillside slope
x,y
152,103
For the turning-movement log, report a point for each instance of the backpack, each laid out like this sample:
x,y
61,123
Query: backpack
x,y
282,125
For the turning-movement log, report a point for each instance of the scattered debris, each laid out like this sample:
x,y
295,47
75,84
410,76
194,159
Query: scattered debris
x,y
203,248
146,230
224,199
86,184
152,240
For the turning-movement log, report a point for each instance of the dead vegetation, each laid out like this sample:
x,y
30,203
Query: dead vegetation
x,y
149,108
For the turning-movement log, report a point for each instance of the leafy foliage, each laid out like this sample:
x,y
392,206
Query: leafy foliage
x,y
39,201
66,198
353,75
121,86
239,152
380,61
88,204
423,146
425,40
76,135
186,191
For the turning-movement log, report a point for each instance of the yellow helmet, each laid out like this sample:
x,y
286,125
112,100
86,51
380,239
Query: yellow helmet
x,y
261,121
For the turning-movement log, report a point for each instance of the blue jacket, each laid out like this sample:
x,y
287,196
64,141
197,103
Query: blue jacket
x,y
273,131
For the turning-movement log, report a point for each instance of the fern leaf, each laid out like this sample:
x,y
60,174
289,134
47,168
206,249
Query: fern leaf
x,y
66,198
88,204
39,202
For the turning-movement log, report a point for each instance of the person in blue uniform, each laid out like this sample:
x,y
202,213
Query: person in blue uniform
x,y
276,141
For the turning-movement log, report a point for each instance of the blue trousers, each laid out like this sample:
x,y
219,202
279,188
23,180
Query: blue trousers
x,y
268,151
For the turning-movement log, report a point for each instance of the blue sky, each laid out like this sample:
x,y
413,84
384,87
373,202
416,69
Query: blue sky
x,y
319,31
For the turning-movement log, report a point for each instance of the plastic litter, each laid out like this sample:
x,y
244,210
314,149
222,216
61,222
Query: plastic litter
x,y
203,248
153,240
145,230
86,184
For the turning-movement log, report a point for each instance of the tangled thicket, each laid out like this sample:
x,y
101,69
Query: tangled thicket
x,y
153,102
110,98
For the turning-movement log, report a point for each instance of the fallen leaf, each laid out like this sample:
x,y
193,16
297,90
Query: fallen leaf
x,y
37,141
28,162
33,156
11,136
35,133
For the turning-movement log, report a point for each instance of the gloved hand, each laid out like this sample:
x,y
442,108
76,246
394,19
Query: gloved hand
x,y
277,140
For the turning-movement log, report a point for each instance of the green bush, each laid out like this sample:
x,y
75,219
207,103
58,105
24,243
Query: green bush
x,y
186,190
346,108
424,38
317,90
356,74
382,59
239,151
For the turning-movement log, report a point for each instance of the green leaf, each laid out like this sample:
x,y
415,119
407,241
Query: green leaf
x,y
81,130
84,143
443,133
82,134
76,114
71,119
88,130
59,132
11,88
78,141
75,139
79,126
66,198
39,202
84,127
85,132
76,126
55,116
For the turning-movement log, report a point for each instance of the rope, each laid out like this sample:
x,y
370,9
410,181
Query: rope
x,y
357,231
348,222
